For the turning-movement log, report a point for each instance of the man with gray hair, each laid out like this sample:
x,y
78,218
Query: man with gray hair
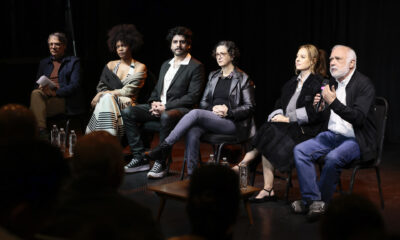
x,y
59,91
347,105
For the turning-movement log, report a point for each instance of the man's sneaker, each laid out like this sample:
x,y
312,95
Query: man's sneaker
x,y
159,170
299,207
137,165
316,210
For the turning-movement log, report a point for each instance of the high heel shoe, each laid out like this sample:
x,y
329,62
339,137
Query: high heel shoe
x,y
267,198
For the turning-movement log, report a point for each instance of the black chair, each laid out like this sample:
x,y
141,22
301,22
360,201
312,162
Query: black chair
x,y
381,110
218,141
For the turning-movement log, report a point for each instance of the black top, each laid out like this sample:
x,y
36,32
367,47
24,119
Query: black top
x,y
221,92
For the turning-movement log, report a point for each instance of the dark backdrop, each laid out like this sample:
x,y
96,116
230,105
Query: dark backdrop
x,y
268,35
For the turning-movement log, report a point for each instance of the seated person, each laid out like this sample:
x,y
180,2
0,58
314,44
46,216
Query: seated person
x,y
178,90
120,81
64,72
31,174
351,132
90,206
213,203
227,107
291,122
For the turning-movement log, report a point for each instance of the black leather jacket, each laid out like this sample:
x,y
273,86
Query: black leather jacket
x,y
241,101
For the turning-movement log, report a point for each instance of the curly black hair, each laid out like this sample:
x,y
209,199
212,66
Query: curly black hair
x,y
233,50
126,33
184,31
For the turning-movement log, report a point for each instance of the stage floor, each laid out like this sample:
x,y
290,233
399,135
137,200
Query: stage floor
x,y
272,220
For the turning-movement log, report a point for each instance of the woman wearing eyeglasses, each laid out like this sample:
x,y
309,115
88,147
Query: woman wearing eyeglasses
x,y
226,107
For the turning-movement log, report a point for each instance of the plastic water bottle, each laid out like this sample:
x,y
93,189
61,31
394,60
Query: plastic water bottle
x,y
62,137
72,142
211,160
243,176
54,136
224,162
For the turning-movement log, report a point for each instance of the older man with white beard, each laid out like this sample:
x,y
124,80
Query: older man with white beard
x,y
348,103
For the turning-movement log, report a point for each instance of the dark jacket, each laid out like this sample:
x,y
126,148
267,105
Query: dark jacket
x,y
185,88
69,81
241,101
311,87
358,111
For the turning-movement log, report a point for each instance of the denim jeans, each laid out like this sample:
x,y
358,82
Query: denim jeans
x,y
338,151
193,125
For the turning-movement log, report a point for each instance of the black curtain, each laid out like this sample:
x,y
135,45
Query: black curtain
x,y
267,34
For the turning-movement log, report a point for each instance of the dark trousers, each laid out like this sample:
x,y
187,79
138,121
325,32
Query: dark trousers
x,y
134,116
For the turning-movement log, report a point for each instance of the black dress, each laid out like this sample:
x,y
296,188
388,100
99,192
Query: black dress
x,y
276,140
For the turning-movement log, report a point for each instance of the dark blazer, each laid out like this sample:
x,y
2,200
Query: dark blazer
x,y
310,88
241,101
359,111
186,87
69,80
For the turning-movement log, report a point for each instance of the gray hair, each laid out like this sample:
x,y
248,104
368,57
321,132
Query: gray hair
x,y
351,54
61,37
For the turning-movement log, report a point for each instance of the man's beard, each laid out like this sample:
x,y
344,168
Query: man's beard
x,y
340,73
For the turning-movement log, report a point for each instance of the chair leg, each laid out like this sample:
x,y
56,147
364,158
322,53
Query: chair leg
x,y
288,185
340,186
378,177
220,146
183,168
353,176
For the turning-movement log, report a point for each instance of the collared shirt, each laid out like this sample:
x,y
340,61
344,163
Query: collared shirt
x,y
336,123
172,70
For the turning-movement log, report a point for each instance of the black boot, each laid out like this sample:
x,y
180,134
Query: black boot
x,y
161,152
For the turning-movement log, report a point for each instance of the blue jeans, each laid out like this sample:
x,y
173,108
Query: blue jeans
x,y
193,125
338,151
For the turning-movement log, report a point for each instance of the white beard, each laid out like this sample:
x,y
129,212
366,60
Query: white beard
x,y
339,73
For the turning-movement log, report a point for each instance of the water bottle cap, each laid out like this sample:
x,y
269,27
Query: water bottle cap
x,y
54,126
62,129
72,131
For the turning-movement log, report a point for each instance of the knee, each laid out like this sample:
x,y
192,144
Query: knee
x,y
332,161
36,93
298,151
128,113
169,117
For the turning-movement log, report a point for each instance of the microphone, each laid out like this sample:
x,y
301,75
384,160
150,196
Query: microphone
x,y
324,83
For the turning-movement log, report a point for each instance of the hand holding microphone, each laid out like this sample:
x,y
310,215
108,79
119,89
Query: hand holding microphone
x,y
318,98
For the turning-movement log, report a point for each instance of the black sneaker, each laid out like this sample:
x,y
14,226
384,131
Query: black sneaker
x,y
159,170
137,165
162,152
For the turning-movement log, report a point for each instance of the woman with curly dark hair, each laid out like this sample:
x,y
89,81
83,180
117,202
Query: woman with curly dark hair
x,y
120,81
